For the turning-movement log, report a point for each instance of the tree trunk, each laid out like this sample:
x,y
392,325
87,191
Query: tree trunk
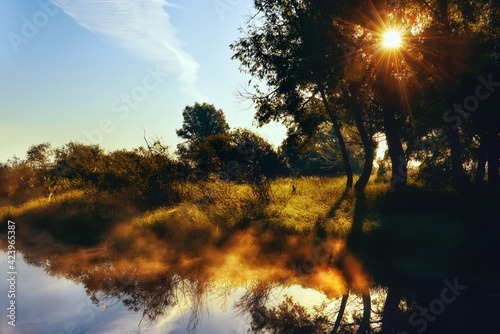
x,y
340,137
354,238
364,327
398,159
391,308
458,175
367,142
343,305
343,150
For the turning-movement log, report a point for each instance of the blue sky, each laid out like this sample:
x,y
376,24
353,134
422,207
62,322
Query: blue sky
x,y
103,71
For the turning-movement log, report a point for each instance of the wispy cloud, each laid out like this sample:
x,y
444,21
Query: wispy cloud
x,y
142,27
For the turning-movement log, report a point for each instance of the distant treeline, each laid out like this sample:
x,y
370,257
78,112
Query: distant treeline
x,y
151,176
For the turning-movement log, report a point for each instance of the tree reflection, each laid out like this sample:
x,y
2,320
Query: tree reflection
x,y
150,277
292,317
153,285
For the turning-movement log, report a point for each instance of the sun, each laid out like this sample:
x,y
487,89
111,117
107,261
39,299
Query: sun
x,y
392,39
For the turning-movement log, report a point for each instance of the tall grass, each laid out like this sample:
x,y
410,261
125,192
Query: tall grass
x,y
308,205
80,217
295,205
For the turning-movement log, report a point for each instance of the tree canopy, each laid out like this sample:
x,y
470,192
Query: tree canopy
x,y
323,61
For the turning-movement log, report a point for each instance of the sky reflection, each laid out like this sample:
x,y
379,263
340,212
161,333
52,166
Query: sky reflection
x,y
57,305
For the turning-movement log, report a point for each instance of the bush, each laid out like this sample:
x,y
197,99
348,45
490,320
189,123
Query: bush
x,y
147,176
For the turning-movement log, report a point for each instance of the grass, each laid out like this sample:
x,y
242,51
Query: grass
x,y
74,217
421,232
297,206
40,204
302,209
228,206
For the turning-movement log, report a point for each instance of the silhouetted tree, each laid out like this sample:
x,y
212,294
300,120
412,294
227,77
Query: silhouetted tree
x,y
291,51
199,122
319,155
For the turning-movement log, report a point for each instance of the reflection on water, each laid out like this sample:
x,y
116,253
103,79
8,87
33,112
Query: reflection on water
x,y
161,303
56,305
251,281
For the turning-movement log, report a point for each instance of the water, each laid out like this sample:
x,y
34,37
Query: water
x,y
148,288
48,301
48,304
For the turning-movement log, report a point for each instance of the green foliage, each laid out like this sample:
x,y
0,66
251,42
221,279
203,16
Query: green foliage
x,y
147,176
382,170
18,183
211,155
38,156
150,176
199,122
319,155
256,158
240,155
308,55
435,170
79,163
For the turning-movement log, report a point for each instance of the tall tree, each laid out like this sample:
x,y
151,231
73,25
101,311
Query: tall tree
x,y
290,52
304,51
199,123
461,38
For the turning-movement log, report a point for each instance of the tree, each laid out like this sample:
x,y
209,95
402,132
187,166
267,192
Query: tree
x,y
38,156
256,159
79,163
330,53
238,155
443,41
38,160
319,155
201,121
291,52
463,38
212,155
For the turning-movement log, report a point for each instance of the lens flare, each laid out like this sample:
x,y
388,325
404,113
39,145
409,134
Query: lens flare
x,y
392,39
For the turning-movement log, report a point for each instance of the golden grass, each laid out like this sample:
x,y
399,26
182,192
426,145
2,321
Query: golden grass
x,y
181,215
316,201
40,203
309,203
225,205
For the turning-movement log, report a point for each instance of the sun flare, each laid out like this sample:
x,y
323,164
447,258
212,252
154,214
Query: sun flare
x,y
392,39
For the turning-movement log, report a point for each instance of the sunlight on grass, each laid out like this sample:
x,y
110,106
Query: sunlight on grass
x,y
304,205
296,205
311,201
179,216
41,203
226,205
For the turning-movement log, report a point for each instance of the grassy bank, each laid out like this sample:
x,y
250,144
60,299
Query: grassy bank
x,y
294,205
409,243
420,232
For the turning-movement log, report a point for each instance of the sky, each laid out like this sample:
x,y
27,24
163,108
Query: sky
x,y
108,71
